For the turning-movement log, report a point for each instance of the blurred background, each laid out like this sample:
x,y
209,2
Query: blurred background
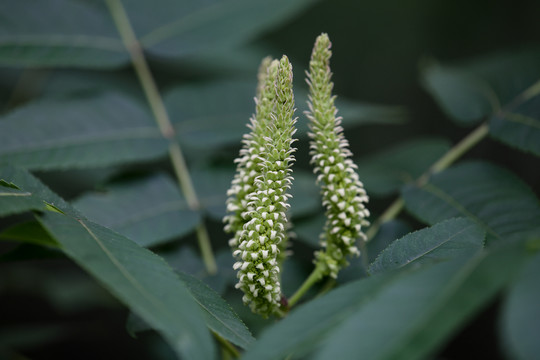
x,y
49,308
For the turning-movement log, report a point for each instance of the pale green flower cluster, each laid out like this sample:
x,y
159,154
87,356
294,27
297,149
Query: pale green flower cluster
x,y
343,193
258,198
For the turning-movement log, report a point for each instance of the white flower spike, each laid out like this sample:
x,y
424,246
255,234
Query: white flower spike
x,y
258,196
342,192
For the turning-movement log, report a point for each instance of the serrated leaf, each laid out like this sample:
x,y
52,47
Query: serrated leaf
x,y
446,240
387,234
395,315
218,314
386,172
519,124
521,313
148,211
493,197
58,33
93,131
30,195
138,278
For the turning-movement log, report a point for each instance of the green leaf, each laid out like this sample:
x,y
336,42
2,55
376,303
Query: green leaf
x,y
82,33
521,313
493,197
471,90
182,28
148,211
353,112
58,33
406,314
465,97
444,241
309,230
212,114
8,185
212,184
306,198
504,88
138,278
218,314
28,232
519,124
386,172
93,131
388,233
30,194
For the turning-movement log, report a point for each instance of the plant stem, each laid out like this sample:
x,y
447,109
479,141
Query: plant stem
x,y
161,116
395,208
390,213
444,162
458,150
316,275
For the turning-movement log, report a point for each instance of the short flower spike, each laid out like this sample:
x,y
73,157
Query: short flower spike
x,y
259,194
342,192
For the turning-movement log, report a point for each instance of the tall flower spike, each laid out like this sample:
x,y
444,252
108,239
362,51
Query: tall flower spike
x,y
268,147
343,194
249,161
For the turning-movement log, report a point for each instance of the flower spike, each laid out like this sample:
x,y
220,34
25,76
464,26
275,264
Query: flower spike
x,y
259,194
343,194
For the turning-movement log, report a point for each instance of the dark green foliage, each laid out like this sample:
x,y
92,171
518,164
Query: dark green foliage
x,y
94,225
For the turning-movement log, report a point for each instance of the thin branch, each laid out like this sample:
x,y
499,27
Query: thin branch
x,y
164,123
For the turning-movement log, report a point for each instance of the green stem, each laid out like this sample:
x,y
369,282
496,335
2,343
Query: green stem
x,y
395,208
316,275
161,116
444,162
458,150
390,213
